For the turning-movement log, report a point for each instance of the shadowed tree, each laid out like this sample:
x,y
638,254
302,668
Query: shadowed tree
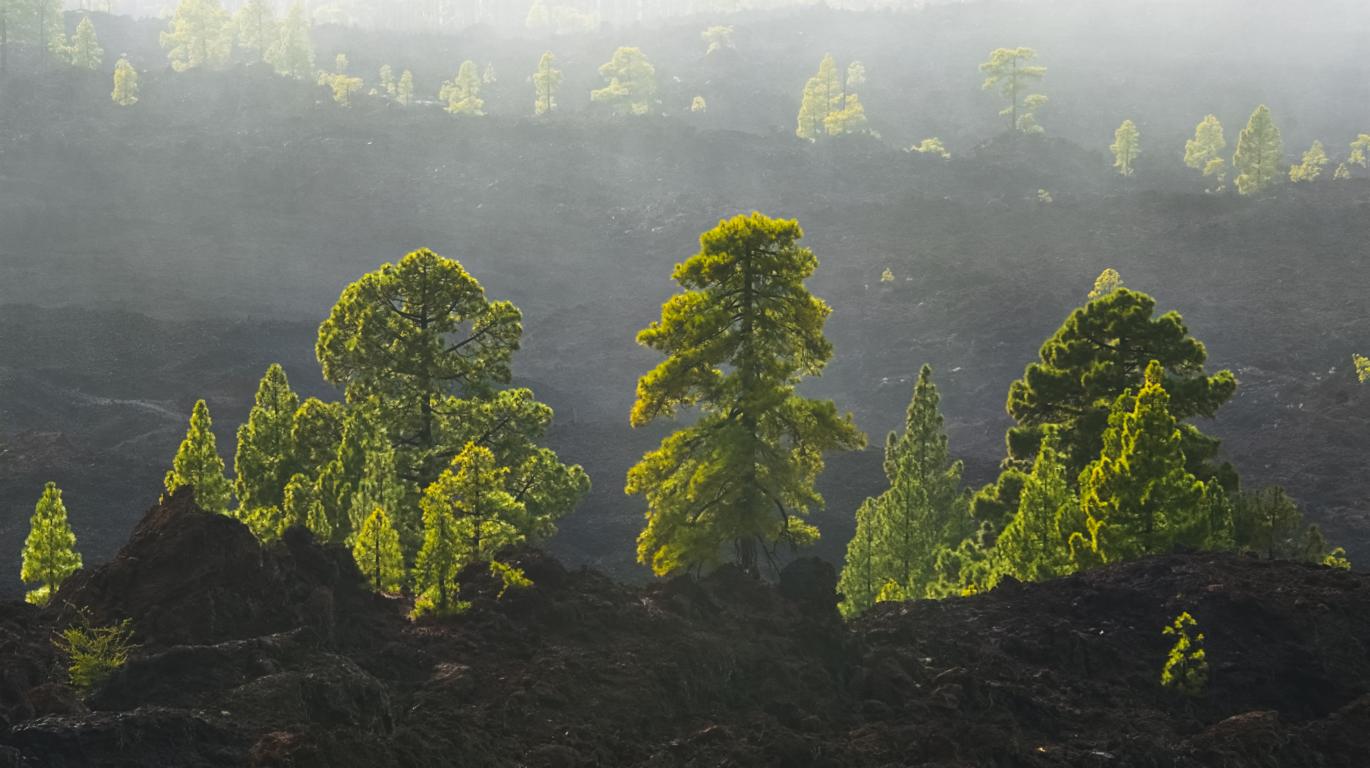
x,y
197,464
380,488
1100,352
631,88
737,341
546,83
50,554
1204,151
1126,147
125,92
1260,152
1009,70
201,35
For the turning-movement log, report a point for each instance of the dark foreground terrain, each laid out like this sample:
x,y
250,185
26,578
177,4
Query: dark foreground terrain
x,y
281,657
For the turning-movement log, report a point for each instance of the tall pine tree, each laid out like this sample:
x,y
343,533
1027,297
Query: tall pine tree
x,y
377,552
50,554
1126,147
737,341
265,459
1034,544
631,87
1260,153
1204,151
197,464
546,82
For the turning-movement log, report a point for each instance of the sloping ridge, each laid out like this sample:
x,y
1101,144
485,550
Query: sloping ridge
x,y
280,656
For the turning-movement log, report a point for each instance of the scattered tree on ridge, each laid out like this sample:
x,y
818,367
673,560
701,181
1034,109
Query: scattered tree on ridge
x,y
1126,147
201,35
462,92
404,91
1107,282
342,84
197,464
292,53
1314,160
86,52
386,80
1009,70
831,106
125,92
1204,151
931,146
922,510
738,340
717,38
546,83
50,554
256,26
1260,151
631,88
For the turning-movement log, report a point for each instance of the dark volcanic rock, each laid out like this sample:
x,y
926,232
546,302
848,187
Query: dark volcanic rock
x,y
278,656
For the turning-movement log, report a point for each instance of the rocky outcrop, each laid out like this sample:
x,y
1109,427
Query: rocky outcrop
x,y
279,656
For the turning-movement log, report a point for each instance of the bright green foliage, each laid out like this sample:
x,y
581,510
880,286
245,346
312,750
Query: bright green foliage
x,y
1343,173
380,488
823,96
859,586
468,516
1100,352
851,118
738,340
1107,282
50,554
510,578
421,338
887,276
1314,160
698,105
386,78
1362,364
1126,146
303,507
342,84
1360,151
404,91
1137,497
1034,545
923,509
631,88
1337,559
292,54
1204,151
718,38
198,465
95,653
1186,667
546,82
1269,524
378,554
340,479
265,458
201,35
86,52
1260,152
256,26
932,146
125,92
316,431
1009,70
462,93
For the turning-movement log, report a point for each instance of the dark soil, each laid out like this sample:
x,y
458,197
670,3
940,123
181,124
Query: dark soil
x,y
280,657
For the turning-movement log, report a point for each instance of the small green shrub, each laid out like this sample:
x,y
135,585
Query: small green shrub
x,y
95,652
1186,668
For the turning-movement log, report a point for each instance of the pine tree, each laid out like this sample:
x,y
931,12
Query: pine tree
x,y
823,97
1314,160
50,554
1126,147
923,508
1260,151
265,458
631,88
198,465
256,27
1100,352
1360,151
315,431
851,118
546,82
201,35
1107,282
292,54
717,38
125,92
1204,151
462,93
1009,70
422,338
931,146
340,479
380,488
404,92
1034,544
857,585
302,507
377,552
738,340
386,78
86,52
1137,498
